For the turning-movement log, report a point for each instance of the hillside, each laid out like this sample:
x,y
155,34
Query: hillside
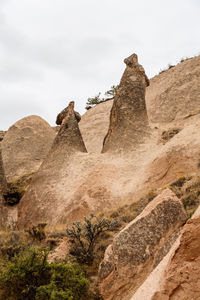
x,y
152,142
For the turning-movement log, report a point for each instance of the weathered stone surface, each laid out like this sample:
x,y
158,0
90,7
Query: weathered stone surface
x,y
2,175
161,282
62,115
76,185
135,251
176,158
128,117
181,278
3,211
174,94
2,133
94,126
41,201
24,147
8,215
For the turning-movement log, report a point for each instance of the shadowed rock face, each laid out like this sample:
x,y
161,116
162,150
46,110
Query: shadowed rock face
x,y
62,115
128,117
44,199
3,209
2,175
139,247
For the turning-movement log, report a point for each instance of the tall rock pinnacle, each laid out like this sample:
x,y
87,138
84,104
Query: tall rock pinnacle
x,y
42,200
128,117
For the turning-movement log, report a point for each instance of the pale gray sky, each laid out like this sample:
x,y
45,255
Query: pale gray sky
x,y
55,51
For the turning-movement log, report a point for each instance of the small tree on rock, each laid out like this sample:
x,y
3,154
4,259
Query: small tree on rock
x,y
93,101
112,91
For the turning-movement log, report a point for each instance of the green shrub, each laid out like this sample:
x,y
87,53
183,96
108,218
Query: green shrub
x,y
37,232
84,237
97,99
93,101
30,276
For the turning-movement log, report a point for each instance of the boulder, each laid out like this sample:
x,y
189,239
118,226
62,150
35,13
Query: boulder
x,y
24,147
128,117
140,246
174,94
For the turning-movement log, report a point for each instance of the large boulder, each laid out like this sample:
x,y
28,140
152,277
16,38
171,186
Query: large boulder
x,y
174,94
140,246
24,148
128,117
177,275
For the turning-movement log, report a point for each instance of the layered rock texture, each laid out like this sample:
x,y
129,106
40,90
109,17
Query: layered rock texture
x,y
24,147
140,246
177,276
128,117
181,277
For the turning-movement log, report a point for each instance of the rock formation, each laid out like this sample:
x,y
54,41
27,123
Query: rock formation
x,y
128,117
3,210
176,276
49,181
140,246
2,175
24,147
174,94
94,126
181,278
75,185
62,115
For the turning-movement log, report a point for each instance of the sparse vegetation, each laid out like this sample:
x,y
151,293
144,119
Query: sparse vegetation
x,y
84,237
188,190
37,232
167,68
97,99
169,134
30,276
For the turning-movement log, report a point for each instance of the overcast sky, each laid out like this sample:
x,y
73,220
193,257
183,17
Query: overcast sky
x,y
56,51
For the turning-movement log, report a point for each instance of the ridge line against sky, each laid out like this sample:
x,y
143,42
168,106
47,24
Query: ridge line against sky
x,y
56,51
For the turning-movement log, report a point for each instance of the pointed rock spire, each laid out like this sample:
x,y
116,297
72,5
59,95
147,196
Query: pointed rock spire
x,y
128,117
42,201
69,134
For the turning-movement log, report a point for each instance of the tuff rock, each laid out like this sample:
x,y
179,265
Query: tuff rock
x,y
140,246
